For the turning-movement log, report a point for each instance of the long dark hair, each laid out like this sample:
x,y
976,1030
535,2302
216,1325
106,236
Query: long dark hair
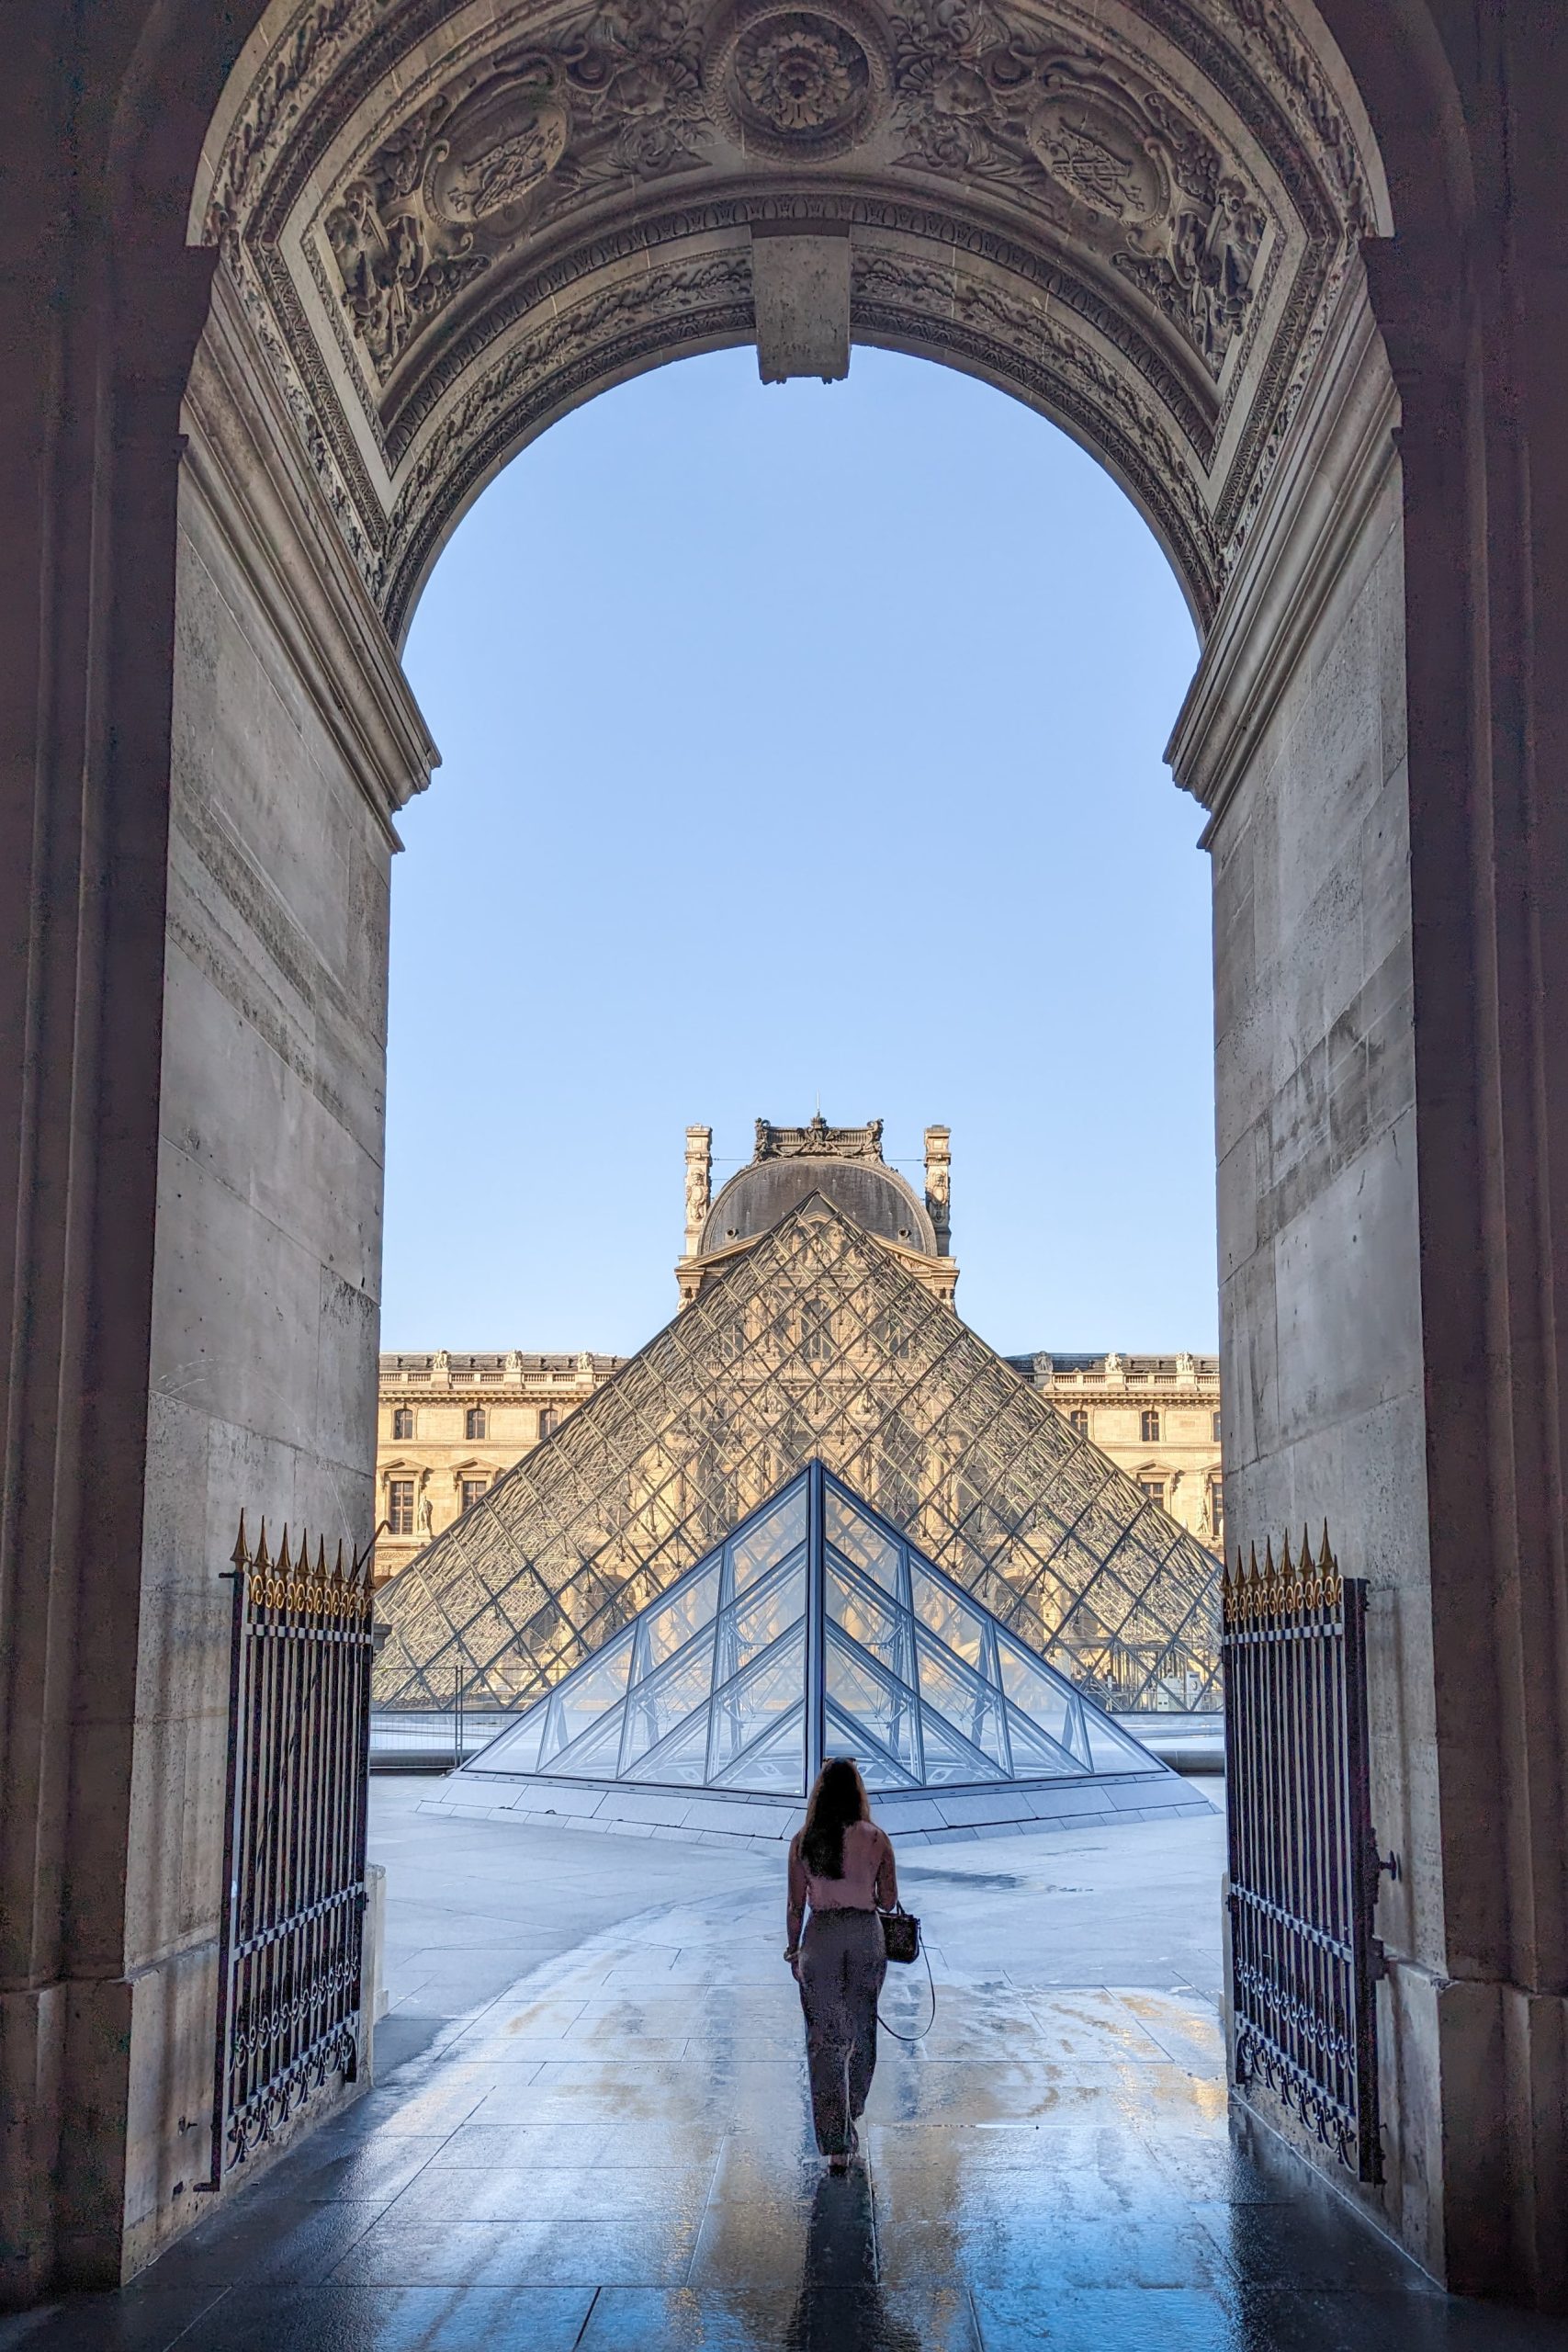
x,y
838,1799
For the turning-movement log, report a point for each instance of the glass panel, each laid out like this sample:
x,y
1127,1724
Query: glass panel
x,y
775,1766
666,1699
952,1619
859,1540
971,1706
1045,1698
671,1626
771,1541
1034,1756
871,1620
1110,1750
748,1630
596,1756
682,1763
742,1711
951,1762
517,1750
584,1697
863,1695
877,1768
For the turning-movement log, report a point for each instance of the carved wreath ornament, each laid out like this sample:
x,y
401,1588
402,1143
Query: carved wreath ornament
x,y
799,77
798,84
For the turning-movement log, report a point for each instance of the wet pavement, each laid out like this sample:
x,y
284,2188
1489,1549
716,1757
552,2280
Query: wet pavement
x,y
610,2149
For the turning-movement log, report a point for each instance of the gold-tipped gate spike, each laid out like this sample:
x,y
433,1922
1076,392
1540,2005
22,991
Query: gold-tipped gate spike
x,y
264,1557
239,1557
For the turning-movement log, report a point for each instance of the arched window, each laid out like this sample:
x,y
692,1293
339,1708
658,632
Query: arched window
x,y
402,1421
399,1506
1079,1420
474,1421
547,1420
1216,1429
1150,1428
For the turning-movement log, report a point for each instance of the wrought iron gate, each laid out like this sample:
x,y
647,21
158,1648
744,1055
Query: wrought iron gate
x,y
292,1932
1304,1861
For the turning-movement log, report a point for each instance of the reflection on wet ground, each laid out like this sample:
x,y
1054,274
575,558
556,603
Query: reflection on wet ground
x,y
612,2152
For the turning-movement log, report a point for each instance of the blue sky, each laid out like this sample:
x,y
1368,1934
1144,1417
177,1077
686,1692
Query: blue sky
x,y
800,742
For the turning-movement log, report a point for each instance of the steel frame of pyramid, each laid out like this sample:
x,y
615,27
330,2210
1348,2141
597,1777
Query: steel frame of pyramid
x,y
814,1343
818,1628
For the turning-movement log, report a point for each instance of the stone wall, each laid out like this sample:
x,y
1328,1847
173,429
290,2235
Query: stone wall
x,y
265,1314
1301,753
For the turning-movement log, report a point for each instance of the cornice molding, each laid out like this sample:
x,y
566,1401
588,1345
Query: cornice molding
x,y
1336,457
265,504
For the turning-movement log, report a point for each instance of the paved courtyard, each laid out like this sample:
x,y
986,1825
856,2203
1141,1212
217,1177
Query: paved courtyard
x,y
590,2131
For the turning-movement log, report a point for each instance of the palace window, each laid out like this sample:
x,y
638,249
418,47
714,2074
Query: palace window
x,y
1079,1420
472,1489
402,1421
1217,1505
1153,1488
399,1506
1150,1430
1216,1429
474,1421
547,1420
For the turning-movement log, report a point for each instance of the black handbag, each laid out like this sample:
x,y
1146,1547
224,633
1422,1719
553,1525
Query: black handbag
x,y
901,1934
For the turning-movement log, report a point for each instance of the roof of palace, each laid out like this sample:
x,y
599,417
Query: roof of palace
x,y
815,1341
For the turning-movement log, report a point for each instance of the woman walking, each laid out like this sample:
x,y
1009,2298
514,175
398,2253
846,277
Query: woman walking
x,y
842,1866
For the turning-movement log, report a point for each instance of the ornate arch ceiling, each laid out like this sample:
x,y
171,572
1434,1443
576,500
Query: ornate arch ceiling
x,y
449,221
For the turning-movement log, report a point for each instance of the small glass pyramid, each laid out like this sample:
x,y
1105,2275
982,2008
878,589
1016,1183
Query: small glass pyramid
x,y
815,1628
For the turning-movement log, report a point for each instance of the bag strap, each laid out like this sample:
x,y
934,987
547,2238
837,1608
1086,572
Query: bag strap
x,y
931,1980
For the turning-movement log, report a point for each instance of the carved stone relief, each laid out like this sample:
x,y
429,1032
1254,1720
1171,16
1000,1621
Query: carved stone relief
x,y
801,84
1106,157
613,96
1004,120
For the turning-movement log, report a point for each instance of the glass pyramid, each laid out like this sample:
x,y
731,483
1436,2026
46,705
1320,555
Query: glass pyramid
x,y
816,1629
815,1343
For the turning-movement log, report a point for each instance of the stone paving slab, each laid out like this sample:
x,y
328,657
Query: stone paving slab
x,y
613,2150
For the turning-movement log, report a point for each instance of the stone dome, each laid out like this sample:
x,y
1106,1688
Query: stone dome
x,y
874,1196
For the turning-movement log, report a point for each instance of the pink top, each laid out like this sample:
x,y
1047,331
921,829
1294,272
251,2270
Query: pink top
x,y
870,1878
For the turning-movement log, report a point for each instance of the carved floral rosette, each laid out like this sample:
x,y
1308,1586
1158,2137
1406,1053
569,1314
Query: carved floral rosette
x,y
798,85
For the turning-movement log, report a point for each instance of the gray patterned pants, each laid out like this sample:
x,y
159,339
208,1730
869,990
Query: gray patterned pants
x,y
842,1963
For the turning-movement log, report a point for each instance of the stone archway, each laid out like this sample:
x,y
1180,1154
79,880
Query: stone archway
x,y
296,306
445,231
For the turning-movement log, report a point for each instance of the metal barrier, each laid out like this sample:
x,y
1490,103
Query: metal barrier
x,y
1304,1861
431,1739
291,1931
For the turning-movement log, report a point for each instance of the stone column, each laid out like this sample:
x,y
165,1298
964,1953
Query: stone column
x,y
699,1183
938,1186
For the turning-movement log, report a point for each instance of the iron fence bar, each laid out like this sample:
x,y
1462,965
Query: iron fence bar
x,y
1303,1858
291,1923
